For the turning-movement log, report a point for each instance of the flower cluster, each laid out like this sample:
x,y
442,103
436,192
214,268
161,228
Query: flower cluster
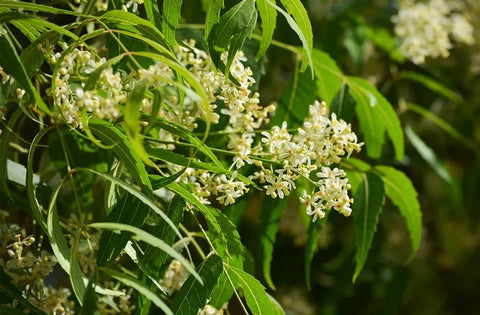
x,y
174,277
28,272
320,142
71,97
427,29
210,310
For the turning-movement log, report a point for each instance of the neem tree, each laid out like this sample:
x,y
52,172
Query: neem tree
x,y
132,152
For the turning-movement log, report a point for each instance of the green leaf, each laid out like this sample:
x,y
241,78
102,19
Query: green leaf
x,y
402,193
294,102
113,137
11,63
427,154
376,115
212,15
343,104
301,25
76,275
368,204
226,241
127,210
140,287
153,13
28,6
433,85
257,299
179,159
171,16
193,296
328,75
268,16
272,211
186,134
133,23
141,235
132,121
8,288
138,194
154,258
231,32
90,299
60,248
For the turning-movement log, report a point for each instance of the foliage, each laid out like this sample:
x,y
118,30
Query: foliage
x,y
137,146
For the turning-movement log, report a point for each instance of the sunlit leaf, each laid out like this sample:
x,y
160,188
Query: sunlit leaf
x,y
268,16
230,33
376,114
140,287
193,295
301,25
257,299
212,14
328,75
171,16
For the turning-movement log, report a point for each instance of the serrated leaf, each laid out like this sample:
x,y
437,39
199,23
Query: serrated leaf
x,y
28,6
427,154
376,114
50,226
272,211
402,193
301,25
153,13
328,75
231,32
368,204
228,246
131,22
113,137
268,16
193,296
128,210
212,14
140,287
138,194
141,235
257,299
171,16
154,258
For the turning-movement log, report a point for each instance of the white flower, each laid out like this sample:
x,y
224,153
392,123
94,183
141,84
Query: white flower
x,y
425,29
